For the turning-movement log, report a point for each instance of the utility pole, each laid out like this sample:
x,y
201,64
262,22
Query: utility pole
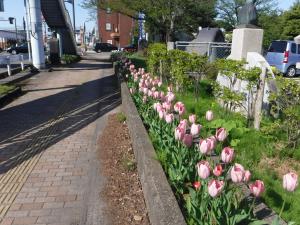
x,y
27,30
73,3
36,34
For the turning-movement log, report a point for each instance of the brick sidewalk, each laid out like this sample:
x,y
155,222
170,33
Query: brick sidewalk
x,y
48,146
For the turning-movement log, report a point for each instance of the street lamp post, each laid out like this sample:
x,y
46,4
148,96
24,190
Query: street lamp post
x,y
11,21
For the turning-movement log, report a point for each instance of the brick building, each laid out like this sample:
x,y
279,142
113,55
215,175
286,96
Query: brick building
x,y
115,28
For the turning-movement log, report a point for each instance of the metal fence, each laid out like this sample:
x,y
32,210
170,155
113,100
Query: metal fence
x,y
213,50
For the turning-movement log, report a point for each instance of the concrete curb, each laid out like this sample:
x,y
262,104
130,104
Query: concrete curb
x,y
10,96
161,203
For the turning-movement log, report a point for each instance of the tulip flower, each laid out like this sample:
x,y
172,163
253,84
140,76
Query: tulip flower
x,y
203,169
290,181
197,185
227,155
221,134
183,124
145,99
170,88
179,133
159,83
247,176
257,188
195,129
209,115
162,96
156,95
145,90
237,173
169,118
170,97
161,114
153,89
192,118
167,106
218,170
188,140
213,142
204,146
215,188
179,107
150,93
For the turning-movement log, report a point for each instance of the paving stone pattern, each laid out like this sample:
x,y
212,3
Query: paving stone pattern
x,y
47,143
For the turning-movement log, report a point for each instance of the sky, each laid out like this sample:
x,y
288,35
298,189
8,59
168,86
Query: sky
x,y
15,8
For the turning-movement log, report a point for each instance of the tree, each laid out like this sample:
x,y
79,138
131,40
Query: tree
x,y
272,25
228,9
291,21
165,17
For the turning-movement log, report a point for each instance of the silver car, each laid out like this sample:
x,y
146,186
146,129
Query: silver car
x,y
284,55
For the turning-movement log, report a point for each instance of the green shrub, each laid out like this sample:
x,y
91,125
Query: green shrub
x,y
70,58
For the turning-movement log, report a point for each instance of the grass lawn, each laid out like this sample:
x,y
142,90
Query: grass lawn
x,y
5,88
261,153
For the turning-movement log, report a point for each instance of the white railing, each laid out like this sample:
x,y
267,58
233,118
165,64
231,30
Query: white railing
x,y
8,60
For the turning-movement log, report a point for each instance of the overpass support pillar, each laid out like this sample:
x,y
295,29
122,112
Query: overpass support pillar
x,y
36,36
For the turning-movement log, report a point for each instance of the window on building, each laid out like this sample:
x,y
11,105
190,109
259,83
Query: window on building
x,y
108,10
108,26
109,42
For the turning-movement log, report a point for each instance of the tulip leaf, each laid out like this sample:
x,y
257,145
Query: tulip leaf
x,y
234,142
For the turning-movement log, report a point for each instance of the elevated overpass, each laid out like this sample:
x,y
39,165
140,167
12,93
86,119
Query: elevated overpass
x,y
58,19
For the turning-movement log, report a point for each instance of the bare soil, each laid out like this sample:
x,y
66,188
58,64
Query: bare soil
x,y
122,191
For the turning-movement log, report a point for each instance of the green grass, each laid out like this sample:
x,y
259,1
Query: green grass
x,y
253,146
5,89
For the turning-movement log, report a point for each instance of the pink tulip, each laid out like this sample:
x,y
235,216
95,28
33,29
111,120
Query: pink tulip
x,y
153,89
159,83
213,142
179,107
161,114
170,97
221,134
192,118
170,88
156,95
237,173
218,170
209,115
203,169
145,90
162,96
247,176
227,155
187,140
169,118
204,146
195,129
290,181
257,188
183,124
150,93
145,99
167,106
179,133
197,185
215,188
132,90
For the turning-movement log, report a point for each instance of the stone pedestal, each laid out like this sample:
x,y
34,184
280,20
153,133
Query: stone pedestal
x,y
246,40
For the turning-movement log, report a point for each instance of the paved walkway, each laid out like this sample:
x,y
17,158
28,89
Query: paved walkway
x,y
49,172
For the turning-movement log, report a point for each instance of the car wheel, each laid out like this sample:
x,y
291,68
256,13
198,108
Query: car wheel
x,y
291,71
14,52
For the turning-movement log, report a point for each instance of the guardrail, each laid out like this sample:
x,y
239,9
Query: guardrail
x,y
8,60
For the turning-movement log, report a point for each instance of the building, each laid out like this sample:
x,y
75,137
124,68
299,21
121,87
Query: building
x,y
115,28
8,38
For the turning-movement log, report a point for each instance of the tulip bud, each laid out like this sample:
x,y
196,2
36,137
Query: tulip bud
x,y
159,83
195,129
227,155
218,170
197,185
192,118
221,134
204,146
237,173
183,124
213,142
188,140
203,169
179,133
257,188
215,188
290,181
209,115
161,114
170,97
247,176
144,99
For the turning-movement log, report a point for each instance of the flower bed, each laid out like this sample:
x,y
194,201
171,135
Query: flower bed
x,y
197,160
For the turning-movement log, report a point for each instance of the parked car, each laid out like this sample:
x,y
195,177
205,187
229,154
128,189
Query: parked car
x,y
129,48
23,48
284,55
104,47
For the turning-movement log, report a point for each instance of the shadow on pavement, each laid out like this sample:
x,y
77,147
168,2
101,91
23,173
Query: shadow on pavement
x,y
29,128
